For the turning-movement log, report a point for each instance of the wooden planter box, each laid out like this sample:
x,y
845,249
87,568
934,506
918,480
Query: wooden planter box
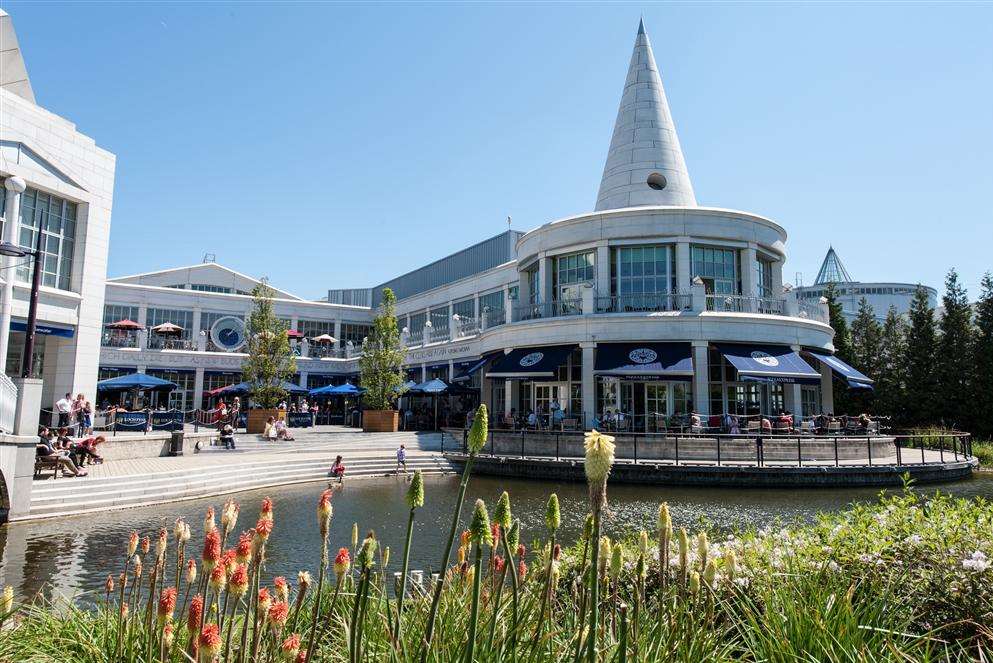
x,y
257,418
380,421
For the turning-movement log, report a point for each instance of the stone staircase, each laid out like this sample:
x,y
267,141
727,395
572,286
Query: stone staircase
x,y
256,464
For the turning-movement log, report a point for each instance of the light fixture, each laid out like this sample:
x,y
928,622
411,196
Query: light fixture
x,y
13,250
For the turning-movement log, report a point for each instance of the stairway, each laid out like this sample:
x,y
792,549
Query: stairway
x,y
256,464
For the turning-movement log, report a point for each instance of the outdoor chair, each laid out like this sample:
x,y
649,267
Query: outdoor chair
x,y
569,424
43,464
807,427
834,427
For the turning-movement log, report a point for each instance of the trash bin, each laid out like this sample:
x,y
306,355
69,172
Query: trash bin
x,y
176,443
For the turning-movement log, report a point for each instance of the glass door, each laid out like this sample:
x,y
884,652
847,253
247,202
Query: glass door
x,y
548,401
656,405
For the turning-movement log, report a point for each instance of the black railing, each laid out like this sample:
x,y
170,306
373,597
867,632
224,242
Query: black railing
x,y
760,450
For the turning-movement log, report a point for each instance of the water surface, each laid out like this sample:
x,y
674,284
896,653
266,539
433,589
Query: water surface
x,y
72,555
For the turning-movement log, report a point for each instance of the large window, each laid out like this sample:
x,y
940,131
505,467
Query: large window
x,y
763,277
215,380
119,338
356,332
531,274
417,321
177,399
118,312
570,273
439,322
465,308
718,268
158,316
491,308
314,328
638,270
56,219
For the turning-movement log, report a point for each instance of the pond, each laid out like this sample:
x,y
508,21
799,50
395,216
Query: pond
x,y
72,555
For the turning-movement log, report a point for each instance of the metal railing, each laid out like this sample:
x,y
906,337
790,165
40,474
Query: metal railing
x,y
159,343
553,309
811,311
468,326
494,317
643,303
743,450
119,341
8,404
746,304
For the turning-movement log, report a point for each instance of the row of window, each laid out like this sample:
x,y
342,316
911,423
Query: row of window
x,y
55,218
208,287
817,294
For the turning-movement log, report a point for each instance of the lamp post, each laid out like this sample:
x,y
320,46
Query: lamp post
x,y
15,251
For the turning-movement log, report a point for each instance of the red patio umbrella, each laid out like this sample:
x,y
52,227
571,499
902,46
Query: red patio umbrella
x,y
293,333
129,325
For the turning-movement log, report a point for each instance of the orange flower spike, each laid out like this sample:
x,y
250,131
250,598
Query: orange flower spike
x,y
132,544
264,600
218,578
146,545
195,615
464,539
342,562
266,512
282,589
522,570
243,551
208,521
211,550
290,648
191,571
277,614
263,528
210,642
167,604
238,583
109,585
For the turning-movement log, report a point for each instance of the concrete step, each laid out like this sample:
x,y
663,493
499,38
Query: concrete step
x,y
87,501
69,487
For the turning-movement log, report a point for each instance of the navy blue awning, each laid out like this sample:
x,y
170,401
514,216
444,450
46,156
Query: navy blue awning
x,y
855,378
473,368
541,362
139,381
430,387
769,363
671,361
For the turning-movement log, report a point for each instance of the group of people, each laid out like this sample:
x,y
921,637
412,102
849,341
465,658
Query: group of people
x,y
70,454
75,413
276,429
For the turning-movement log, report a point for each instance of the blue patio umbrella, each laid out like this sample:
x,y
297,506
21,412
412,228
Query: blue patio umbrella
x,y
430,387
347,389
245,388
136,382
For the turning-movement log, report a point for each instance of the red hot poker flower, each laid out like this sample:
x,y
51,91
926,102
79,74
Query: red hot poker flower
x,y
266,512
263,528
238,584
277,614
211,550
342,562
243,551
290,648
282,589
167,604
195,616
210,642
522,570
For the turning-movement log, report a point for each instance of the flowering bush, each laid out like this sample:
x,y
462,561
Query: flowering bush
x,y
908,578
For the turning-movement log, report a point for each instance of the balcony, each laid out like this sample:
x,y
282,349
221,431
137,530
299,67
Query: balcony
x,y
119,340
643,303
553,309
745,304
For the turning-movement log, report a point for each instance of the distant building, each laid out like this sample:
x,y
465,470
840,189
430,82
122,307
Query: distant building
x,y
881,296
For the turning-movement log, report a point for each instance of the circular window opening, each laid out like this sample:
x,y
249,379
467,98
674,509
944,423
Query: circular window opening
x,y
656,181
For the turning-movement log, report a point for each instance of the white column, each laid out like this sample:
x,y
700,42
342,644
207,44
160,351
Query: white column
x,y
792,399
12,222
827,389
603,271
589,383
303,379
337,334
749,288
683,275
451,369
195,332
143,321
545,267
294,321
701,377
424,372
508,396
198,387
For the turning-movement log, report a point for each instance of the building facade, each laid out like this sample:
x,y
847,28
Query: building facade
x,y
881,296
650,304
57,182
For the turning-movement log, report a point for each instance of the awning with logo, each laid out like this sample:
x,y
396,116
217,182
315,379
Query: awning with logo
x,y
471,368
855,378
539,362
670,361
768,363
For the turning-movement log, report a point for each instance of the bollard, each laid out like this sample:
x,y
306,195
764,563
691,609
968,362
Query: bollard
x,y
676,438
635,448
718,450
868,444
556,446
799,455
899,456
836,461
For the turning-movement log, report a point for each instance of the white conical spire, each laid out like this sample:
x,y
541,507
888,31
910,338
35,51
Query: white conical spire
x,y
645,164
13,73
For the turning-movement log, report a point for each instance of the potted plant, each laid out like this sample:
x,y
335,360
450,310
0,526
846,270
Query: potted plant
x,y
381,369
270,360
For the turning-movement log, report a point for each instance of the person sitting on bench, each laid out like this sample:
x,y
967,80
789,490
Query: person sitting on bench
x,y
46,451
227,436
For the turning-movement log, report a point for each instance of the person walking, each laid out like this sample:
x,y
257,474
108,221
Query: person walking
x,y
64,407
402,459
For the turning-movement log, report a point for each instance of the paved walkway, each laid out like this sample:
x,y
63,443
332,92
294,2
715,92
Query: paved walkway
x,y
322,442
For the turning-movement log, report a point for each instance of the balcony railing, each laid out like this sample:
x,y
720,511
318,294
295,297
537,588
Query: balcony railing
x,y
160,343
120,341
555,309
642,303
745,304
811,312
468,326
494,317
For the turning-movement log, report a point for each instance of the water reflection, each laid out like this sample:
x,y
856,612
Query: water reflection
x,y
73,555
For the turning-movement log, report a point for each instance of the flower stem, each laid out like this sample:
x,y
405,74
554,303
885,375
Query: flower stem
x,y
591,648
474,614
403,580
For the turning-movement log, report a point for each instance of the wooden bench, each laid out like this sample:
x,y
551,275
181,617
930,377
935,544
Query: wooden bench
x,y
41,464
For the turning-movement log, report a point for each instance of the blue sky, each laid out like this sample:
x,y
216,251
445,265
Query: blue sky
x,y
337,145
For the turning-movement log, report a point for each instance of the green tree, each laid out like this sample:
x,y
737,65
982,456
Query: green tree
x,y
270,360
866,355
890,387
921,357
382,357
842,346
981,400
955,360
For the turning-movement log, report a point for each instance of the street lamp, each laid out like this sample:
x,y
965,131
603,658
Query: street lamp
x,y
15,251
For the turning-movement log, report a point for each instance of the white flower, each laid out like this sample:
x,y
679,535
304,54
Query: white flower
x,y
913,540
977,562
833,566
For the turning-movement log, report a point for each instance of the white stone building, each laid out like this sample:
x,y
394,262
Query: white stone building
x,y
849,292
650,304
56,180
